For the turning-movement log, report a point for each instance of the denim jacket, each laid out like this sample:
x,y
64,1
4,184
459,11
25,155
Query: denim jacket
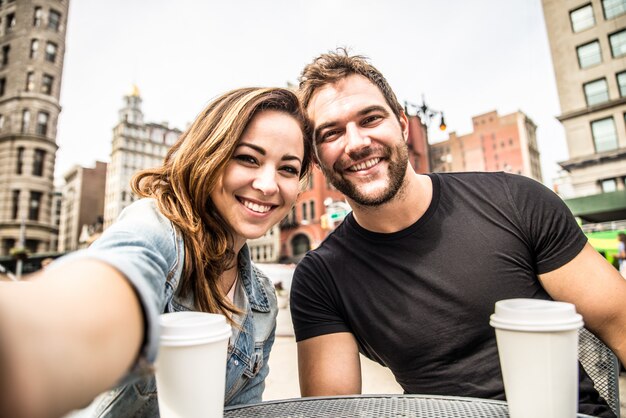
x,y
145,246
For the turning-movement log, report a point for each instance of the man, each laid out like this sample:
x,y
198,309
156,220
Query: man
x,y
411,277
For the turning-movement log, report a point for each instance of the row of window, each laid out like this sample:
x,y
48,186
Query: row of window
x,y
610,185
604,134
310,213
46,83
43,119
597,91
39,158
50,53
54,20
590,53
34,205
583,18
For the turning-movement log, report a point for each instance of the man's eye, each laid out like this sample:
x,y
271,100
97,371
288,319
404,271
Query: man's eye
x,y
329,136
245,158
371,119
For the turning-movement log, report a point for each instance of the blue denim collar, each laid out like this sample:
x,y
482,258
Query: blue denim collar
x,y
251,282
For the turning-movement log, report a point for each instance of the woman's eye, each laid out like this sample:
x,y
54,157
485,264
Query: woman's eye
x,y
291,170
245,158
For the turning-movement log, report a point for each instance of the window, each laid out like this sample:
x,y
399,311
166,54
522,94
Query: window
x,y
3,83
20,160
304,214
5,54
30,81
33,206
621,83
46,84
51,51
608,186
38,162
596,92
613,8
1,122
582,18
589,54
9,22
15,204
37,17
604,135
54,20
25,120
42,123
34,46
618,44
312,209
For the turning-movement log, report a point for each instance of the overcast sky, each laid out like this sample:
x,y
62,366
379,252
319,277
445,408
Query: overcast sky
x,y
466,56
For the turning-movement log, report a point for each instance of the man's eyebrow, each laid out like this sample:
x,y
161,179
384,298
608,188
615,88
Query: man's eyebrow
x,y
286,157
362,112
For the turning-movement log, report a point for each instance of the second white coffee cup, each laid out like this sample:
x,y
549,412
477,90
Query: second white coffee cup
x,y
538,349
191,364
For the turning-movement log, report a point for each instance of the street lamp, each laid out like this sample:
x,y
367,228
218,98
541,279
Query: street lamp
x,y
425,113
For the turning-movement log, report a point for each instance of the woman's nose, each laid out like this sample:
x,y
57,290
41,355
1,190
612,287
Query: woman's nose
x,y
265,182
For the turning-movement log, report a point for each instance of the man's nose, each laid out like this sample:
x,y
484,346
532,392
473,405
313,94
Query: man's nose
x,y
265,182
355,140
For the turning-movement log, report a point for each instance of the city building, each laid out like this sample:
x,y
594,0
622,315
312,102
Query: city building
x,y
136,145
55,216
32,46
588,46
497,143
82,203
417,142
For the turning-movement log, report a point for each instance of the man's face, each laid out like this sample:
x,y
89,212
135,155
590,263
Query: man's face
x,y
359,143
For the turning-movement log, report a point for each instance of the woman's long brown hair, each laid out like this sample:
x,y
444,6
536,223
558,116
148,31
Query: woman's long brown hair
x,y
191,169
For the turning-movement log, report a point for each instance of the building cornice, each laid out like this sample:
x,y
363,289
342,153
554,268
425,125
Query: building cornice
x,y
594,159
589,110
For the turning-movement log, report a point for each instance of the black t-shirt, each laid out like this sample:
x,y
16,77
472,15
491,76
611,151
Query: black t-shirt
x,y
418,300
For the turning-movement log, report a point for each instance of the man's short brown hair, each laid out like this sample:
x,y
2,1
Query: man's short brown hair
x,y
336,65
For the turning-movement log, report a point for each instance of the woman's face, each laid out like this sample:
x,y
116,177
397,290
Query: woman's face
x,y
261,182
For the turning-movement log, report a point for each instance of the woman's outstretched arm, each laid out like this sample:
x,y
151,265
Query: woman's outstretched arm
x,y
66,335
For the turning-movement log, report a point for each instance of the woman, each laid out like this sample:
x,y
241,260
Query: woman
x,y
230,177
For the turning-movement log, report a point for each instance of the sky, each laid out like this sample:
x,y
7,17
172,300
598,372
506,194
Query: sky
x,y
466,57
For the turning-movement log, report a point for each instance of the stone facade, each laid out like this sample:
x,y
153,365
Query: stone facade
x,y
588,46
136,145
32,47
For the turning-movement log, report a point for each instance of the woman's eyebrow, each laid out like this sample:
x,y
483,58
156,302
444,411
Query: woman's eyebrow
x,y
260,150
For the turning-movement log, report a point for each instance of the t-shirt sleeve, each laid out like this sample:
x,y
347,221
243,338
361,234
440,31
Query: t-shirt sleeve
x,y
550,228
314,301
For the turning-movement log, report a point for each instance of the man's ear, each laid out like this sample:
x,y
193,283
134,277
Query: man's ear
x,y
404,125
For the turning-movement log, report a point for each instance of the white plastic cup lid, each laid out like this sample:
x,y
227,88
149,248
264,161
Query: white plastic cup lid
x,y
535,315
192,328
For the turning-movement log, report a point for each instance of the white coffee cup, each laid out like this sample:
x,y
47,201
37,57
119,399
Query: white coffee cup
x,y
538,349
190,369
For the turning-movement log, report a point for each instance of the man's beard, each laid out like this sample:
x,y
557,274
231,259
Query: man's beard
x,y
396,171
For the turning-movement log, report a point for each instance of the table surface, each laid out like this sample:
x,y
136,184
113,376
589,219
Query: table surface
x,y
362,406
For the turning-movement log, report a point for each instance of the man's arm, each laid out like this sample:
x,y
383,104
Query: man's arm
x,y
66,336
599,293
329,365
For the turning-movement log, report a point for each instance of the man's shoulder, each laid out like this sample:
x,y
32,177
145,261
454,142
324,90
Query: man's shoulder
x,y
488,180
